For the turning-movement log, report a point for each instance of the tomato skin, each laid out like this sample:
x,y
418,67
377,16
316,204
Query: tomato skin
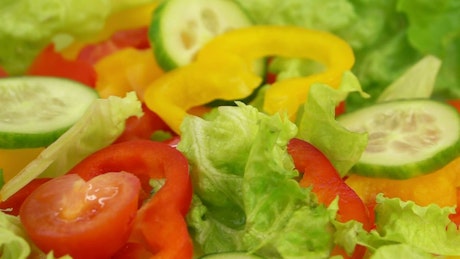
x,y
327,184
13,204
160,223
51,63
84,219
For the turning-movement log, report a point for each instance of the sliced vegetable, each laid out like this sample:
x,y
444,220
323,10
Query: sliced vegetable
x,y
12,161
90,219
176,41
12,204
51,63
160,223
99,127
117,77
37,110
407,138
319,173
326,183
438,187
224,70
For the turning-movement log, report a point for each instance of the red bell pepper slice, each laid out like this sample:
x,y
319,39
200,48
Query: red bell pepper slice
x,y
327,184
160,223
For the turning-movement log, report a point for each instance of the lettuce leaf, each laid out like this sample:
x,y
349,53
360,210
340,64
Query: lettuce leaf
x,y
247,198
404,228
100,126
13,239
28,25
317,124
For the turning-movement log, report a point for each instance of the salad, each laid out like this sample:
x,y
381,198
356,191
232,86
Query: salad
x,y
229,129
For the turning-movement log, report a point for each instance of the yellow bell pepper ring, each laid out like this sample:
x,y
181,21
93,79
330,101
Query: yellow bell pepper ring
x,y
225,69
256,42
172,95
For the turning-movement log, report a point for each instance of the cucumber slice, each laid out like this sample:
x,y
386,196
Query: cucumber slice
x,y
180,28
407,138
231,255
37,110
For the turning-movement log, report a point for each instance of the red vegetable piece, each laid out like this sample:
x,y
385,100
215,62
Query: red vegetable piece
x,y
51,63
134,38
327,185
160,223
3,72
455,103
85,219
12,204
143,127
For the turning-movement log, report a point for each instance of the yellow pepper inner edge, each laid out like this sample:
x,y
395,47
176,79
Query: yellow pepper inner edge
x,y
223,70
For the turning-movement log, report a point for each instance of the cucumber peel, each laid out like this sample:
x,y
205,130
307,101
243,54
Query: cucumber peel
x,y
179,28
37,110
406,138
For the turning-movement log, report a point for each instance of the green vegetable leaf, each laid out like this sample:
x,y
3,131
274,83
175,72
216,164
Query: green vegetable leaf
x,y
27,26
404,228
426,228
102,123
317,124
13,240
246,194
417,82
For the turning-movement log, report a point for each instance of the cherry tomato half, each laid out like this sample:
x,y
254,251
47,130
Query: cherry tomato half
x,y
90,219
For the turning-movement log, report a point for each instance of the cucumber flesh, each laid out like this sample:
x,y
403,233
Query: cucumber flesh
x,y
180,28
37,110
230,255
406,138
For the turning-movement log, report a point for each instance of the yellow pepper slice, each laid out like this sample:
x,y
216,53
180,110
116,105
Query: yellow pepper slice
x,y
184,88
224,69
126,70
256,42
439,187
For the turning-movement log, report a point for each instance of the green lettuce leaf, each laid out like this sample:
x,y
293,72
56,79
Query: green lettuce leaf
x,y
404,228
434,28
417,82
13,239
102,123
317,124
247,198
27,26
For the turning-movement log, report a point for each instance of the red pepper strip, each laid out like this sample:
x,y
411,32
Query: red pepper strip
x,y
12,204
327,184
51,63
160,223
3,72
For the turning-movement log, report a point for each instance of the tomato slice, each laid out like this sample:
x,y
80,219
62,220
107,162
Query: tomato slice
x,y
12,204
90,219
51,63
